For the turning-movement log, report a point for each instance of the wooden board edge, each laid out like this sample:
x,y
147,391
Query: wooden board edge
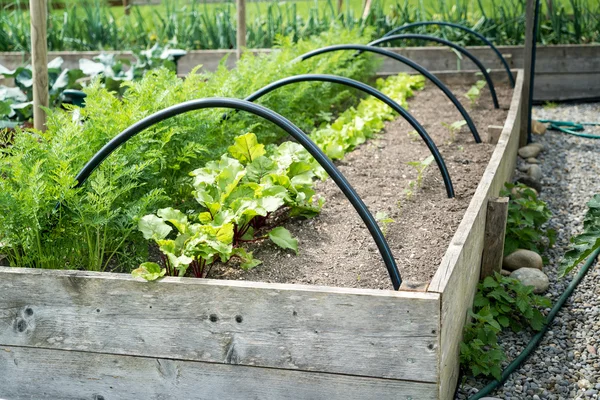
x,y
479,200
99,376
220,282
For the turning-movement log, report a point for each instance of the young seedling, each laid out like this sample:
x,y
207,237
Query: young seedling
x,y
408,193
420,166
454,128
384,220
475,91
413,136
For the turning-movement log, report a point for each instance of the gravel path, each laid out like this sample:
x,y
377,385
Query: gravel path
x,y
566,365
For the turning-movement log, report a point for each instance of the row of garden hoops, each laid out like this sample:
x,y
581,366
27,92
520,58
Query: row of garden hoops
x,y
247,105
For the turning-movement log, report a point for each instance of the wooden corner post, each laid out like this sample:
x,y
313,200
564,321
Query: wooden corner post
x,y
493,242
528,68
39,60
241,27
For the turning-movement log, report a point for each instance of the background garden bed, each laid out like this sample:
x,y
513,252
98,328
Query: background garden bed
x,y
563,72
101,335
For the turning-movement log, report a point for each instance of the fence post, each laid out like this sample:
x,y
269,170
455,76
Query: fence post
x,y
241,27
39,60
528,69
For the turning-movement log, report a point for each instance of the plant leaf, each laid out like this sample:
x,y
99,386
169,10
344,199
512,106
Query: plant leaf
x,y
283,238
149,271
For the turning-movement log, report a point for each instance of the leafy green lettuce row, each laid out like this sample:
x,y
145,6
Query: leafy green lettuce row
x,y
355,125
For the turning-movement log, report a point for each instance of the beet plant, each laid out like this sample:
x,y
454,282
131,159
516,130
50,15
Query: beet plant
x,y
237,194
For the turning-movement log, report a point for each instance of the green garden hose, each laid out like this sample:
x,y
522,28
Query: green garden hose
x,y
572,128
535,340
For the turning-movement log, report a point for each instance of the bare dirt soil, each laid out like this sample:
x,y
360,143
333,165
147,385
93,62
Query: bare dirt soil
x,y
336,249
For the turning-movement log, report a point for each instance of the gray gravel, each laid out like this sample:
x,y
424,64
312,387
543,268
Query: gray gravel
x,y
566,365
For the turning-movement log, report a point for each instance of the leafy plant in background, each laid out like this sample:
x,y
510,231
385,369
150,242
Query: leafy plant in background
x,y
474,92
92,25
16,103
584,244
113,71
526,218
500,302
454,128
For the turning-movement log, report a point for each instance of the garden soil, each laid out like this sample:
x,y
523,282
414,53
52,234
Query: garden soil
x,y
336,249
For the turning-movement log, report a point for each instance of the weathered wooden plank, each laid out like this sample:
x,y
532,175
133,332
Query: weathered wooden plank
x,y
55,374
457,277
39,58
240,10
374,333
494,132
528,70
493,241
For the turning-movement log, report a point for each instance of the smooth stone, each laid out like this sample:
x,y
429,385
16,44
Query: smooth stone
x,y
524,167
522,258
505,272
537,144
532,160
535,172
532,183
532,277
490,398
537,127
529,151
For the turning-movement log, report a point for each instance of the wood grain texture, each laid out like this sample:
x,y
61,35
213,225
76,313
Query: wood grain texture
x,y
493,242
457,277
39,60
29,373
374,333
240,9
528,70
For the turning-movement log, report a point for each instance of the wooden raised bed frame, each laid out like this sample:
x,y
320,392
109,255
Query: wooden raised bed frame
x,y
71,334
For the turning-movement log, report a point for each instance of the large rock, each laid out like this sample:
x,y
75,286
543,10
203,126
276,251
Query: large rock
x,y
535,172
524,167
532,277
522,258
529,151
537,127
537,144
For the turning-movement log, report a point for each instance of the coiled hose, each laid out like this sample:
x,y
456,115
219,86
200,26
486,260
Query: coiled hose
x,y
535,340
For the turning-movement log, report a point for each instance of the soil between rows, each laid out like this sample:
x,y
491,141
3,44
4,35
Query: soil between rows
x,y
336,249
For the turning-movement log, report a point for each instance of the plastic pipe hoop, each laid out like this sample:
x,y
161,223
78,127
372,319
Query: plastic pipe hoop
x,y
485,40
375,93
281,122
403,60
458,48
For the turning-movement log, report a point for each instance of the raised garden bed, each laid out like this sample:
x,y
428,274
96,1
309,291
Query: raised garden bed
x,y
71,334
